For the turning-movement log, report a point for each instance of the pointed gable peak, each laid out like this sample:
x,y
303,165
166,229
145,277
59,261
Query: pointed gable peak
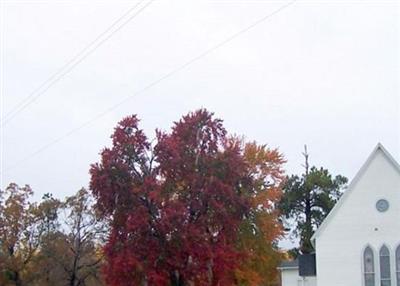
x,y
379,149
389,157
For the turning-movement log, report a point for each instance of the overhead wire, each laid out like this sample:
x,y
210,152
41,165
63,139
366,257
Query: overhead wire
x,y
154,83
74,61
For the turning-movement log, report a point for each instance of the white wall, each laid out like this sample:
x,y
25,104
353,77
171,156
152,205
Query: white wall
x,y
357,224
290,277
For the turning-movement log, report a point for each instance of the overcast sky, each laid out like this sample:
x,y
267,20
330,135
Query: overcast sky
x,y
321,73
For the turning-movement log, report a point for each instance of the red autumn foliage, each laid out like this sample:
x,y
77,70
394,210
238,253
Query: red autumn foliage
x,y
175,206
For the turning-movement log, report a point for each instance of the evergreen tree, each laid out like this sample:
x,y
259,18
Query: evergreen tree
x,y
307,199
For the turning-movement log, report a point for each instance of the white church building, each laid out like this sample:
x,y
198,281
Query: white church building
x,y
358,244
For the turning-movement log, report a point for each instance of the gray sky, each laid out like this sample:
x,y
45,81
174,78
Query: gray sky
x,y
324,73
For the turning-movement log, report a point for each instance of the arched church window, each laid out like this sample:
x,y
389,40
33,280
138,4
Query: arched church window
x,y
384,262
369,268
398,265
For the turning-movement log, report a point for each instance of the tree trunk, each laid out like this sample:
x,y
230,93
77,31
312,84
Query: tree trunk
x,y
306,246
17,278
308,231
176,279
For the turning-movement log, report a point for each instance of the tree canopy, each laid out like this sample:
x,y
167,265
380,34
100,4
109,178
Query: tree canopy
x,y
187,208
194,206
51,243
308,198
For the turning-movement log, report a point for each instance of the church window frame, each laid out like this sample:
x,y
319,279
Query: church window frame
x,y
397,264
369,273
385,266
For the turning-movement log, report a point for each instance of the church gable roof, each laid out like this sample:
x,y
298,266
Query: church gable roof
x,y
379,148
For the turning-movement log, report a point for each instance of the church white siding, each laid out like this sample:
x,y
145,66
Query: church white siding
x,y
290,277
356,224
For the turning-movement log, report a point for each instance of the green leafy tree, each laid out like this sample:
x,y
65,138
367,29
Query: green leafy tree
x,y
307,199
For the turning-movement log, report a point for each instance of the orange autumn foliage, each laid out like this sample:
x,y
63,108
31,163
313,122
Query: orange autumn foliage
x,y
261,230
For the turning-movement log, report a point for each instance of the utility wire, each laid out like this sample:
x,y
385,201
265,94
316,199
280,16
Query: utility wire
x,y
74,61
154,83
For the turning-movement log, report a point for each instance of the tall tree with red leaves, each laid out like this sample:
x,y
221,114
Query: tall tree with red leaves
x,y
176,206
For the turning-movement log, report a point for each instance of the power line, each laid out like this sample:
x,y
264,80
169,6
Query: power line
x,y
154,83
74,61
